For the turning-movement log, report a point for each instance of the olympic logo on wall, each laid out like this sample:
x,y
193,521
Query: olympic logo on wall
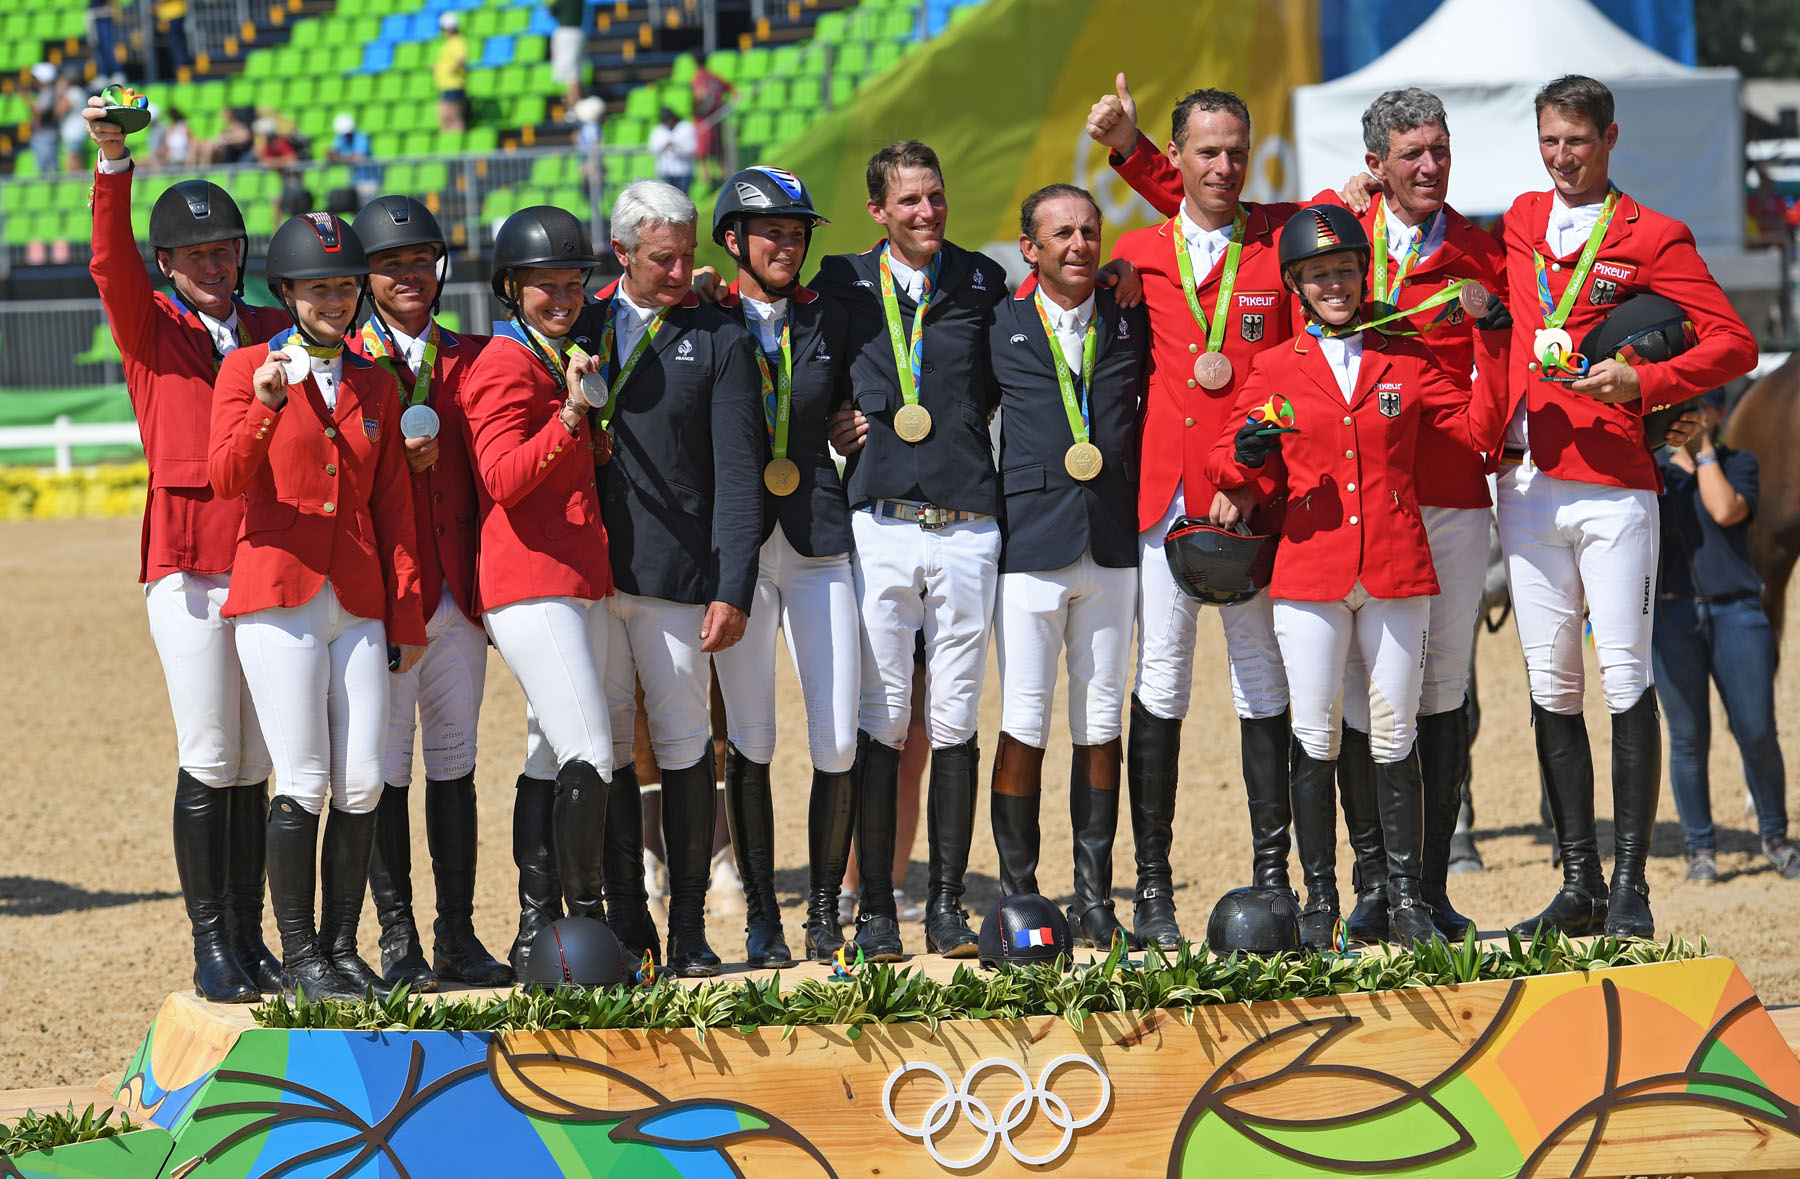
x,y
961,1098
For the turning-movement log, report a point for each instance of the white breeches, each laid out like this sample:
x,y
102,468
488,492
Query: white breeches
x,y
443,693
217,738
657,642
557,649
1316,639
1086,609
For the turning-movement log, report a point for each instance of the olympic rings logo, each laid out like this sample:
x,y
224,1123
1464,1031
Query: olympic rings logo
x,y
1012,1115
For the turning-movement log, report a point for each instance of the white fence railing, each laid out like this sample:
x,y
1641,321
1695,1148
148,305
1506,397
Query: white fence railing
x,y
64,436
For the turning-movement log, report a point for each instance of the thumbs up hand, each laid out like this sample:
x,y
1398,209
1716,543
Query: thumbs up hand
x,y
1112,121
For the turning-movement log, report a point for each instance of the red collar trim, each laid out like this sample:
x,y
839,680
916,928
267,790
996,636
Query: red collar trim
x,y
731,297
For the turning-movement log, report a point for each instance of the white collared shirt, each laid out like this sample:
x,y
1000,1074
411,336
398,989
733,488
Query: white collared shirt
x,y
328,375
906,278
1070,327
1568,228
631,322
1401,236
410,349
765,321
1344,355
1205,246
223,331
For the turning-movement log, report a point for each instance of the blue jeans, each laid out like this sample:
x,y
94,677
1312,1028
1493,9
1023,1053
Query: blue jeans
x,y
1731,644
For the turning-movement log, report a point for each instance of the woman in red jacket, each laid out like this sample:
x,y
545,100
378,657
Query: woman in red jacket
x,y
1354,566
543,572
324,587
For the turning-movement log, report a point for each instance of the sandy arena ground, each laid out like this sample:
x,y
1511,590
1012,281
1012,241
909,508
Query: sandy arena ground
x,y
92,933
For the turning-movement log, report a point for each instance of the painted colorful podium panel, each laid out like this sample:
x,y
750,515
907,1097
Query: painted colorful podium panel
x,y
1673,1067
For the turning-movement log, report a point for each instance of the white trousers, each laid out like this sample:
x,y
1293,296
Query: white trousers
x,y
939,581
812,600
1564,541
217,738
1459,540
1085,609
443,693
657,642
1166,621
1316,640
540,759
319,675
557,650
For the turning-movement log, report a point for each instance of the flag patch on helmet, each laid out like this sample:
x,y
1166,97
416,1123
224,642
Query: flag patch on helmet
x,y
326,226
1327,235
1042,936
789,182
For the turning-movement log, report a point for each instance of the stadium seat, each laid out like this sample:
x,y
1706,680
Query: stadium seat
x,y
101,349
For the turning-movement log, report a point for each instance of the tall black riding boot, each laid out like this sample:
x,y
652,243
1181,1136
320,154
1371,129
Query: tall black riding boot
x,y
579,816
627,904
1312,788
1013,802
830,825
450,827
343,882
1566,767
1443,748
950,830
1401,792
293,848
877,785
1094,819
390,887
1465,857
1368,922
1636,780
202,831
246,884
750,816
1266,745
534,853
1152,751
689,811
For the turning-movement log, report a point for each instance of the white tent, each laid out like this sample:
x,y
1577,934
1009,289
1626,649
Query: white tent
x,y
1680,147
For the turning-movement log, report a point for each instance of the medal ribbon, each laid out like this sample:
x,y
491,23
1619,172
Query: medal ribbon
x,y
1451,291
243,333
1076,409
618,374
380,347
1215,334
543,346
1557,317
778,389
1411,259
908,360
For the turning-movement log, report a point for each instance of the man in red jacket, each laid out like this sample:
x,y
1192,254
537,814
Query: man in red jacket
x,y
1213,286
171,345
1578,485
408,257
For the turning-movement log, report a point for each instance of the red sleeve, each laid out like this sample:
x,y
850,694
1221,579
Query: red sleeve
x,y
391,508
1150,175
125,290
1724,350
241,425
1489,399
510,458
1445,407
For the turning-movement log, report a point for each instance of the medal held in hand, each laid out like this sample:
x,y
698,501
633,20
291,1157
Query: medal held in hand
x,y
1474,298
912,422
419,421
594,389
1276,416
295,364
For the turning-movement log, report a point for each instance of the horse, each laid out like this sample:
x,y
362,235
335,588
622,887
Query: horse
x,y
1766,422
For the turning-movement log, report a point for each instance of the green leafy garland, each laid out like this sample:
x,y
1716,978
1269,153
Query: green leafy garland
x,y
41,1131
1188,978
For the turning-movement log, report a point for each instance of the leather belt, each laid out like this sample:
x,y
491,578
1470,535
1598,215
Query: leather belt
x,y
1708,599
1512,456
927,516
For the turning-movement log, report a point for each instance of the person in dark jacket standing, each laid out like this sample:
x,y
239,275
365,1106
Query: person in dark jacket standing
x,y
1710,626
1072,366
765,217
925,497
682,503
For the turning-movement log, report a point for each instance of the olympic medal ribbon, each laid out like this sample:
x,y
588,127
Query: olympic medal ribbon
x,y
1378,270
1558,314
546,350
1215,331
781,475
909,356
614,373
1083,459
378,342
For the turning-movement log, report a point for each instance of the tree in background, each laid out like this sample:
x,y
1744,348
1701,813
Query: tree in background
x,y
1760,38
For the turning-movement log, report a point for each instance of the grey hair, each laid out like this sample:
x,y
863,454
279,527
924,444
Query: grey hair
x,y
649,202
1400,110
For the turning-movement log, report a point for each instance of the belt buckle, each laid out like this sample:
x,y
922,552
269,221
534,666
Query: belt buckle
x,y
931,517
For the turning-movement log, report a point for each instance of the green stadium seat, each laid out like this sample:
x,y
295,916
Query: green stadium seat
x,y
754,65
723,62
499,203
573,199
527,110
482,141
623,132
832,27
450,320
24,165
409,55
308,32
757,126
885,55
682,72
679,99
853,57
101,349
770,94
790,125
390,88
359,89
531,49
416,143
843,88
401,178
434,177
640,103
897,25
384,144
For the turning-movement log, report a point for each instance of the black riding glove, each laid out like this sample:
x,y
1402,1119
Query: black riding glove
x,y
1253,449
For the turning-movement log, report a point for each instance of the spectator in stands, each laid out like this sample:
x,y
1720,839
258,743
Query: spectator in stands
x,y
351,146
711,93
235,141
672,143
71,100
44,117
568,46
590,113
172,139
171,23
103,43
1710,626
277,146
450,73
294,198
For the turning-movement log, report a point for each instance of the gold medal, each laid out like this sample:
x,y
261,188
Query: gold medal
x,y
1083,461
781,476
912,423
1213,370
1474,298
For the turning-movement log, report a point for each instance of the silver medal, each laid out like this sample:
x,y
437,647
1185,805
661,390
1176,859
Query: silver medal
x,y
419,421
295,364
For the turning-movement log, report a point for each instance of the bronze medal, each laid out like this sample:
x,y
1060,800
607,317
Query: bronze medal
x,y
1083,461
781,476
1474,298
912,423
1213,370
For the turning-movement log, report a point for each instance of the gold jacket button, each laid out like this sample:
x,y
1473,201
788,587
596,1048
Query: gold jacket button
x,y
330,432
1190,421
1349,454
330,507
1349,487
331,468
1193,348
1353,519
268,421
1192,382
1347,420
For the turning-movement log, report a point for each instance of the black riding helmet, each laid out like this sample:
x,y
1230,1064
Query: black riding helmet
x,y
574,952
1262,921
1218,565
541,236
762,192
314,245
1645,329
195,212
1021,928
1314,232
395,222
